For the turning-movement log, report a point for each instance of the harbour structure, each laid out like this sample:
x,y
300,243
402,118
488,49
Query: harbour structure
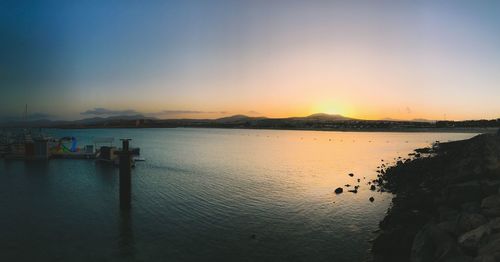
x,y
30,145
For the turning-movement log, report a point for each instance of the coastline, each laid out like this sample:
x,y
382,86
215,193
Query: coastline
x,y
446,205
479,130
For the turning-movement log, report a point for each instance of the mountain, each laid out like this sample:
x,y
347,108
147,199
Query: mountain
x,y
237,118
97,120
321,117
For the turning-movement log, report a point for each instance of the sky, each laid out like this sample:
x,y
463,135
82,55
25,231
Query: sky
x,y
210,58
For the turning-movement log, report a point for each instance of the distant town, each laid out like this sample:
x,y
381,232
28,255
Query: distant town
x,y
312,122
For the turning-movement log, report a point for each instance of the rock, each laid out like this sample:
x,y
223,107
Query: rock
x,y
351,174
469,221
490,206
393,245
371,199
491,249
495,225
459,258
449,226
471,240
359,180
339,190
433,244
471,207
447,213
490,187
485,258
372,188
457,194
347,185
355,191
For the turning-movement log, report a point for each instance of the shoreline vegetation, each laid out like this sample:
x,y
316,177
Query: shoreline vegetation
x,y
446,205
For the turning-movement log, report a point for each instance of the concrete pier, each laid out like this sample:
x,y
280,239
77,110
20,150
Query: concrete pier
x,y
125,175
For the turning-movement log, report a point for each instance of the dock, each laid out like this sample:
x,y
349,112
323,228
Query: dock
x,y
28,146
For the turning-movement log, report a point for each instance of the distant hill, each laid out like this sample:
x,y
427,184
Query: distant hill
x,y
318,121
324,117
237,118
96,120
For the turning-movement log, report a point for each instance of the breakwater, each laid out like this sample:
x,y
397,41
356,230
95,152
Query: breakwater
x,y
446,205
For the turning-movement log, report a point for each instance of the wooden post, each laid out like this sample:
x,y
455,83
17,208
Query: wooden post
x,y
125,175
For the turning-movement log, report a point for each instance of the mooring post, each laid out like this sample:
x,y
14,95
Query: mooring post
x,y
125,175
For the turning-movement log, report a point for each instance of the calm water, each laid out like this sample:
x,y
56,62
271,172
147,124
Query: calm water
x,y
201,195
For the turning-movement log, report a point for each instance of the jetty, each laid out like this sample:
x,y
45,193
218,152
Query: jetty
x,y
27,144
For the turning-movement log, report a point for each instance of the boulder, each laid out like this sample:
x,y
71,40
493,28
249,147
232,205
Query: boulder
x,y
471,240
491,249
471,207
447,213
490,187
495,225
433,244
457,194
393,245
469,221
339,190
485,258
490,206
449,227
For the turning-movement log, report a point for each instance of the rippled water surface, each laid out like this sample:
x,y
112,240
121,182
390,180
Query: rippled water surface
x,y
204,194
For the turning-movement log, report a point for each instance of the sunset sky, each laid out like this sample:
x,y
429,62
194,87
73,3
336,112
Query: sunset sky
x,y
169,59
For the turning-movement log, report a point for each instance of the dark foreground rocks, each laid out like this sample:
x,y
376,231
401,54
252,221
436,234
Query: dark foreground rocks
x,y
446,205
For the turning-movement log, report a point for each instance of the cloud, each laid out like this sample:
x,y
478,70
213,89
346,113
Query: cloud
x,y
99,111
186,112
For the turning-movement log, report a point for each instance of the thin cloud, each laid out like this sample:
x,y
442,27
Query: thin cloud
x,y
100,111
186,112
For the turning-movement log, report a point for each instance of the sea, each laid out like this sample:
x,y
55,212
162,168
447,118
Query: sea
x,y
205,195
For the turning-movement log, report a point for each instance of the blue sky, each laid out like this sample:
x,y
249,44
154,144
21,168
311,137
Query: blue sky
x,y
366,59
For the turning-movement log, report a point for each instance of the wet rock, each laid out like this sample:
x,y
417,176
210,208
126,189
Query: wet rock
x,y
339,190
359,180
373,188
351,174
355,191
347,185
371,199
490,206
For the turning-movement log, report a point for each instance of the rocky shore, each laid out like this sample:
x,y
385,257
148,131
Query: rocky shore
x,y
446,205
